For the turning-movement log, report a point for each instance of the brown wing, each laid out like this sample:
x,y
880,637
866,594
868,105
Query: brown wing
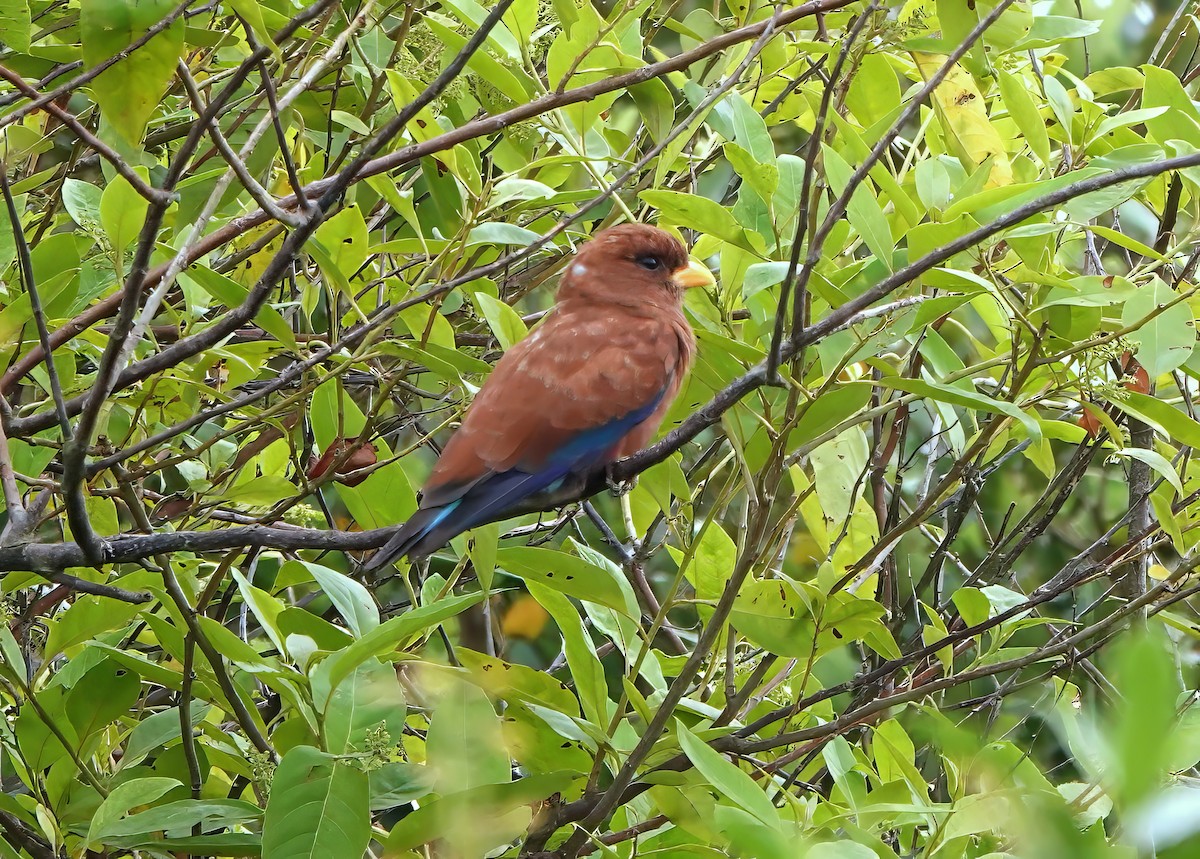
x,y
577,371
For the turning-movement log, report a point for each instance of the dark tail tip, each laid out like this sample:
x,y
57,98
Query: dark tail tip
x,y
411,540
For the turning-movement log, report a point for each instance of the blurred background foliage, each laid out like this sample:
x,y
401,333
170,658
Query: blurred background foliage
x,y
928,593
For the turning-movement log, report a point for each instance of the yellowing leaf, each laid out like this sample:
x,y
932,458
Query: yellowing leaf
x,y
249,270
964,119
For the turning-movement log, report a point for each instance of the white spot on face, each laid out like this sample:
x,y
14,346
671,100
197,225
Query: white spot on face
x,y
579,269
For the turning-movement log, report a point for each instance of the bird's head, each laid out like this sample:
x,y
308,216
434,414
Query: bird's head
x,y
632,264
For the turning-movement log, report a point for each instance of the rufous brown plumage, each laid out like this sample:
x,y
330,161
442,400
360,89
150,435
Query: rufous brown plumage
x,y
590,385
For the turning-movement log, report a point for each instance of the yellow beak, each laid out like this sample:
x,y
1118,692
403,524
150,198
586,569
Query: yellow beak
x,y
694,274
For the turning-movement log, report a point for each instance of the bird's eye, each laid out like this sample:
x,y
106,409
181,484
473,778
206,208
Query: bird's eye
x,y
649,263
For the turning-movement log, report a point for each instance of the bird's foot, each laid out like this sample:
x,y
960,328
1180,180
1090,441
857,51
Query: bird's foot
x,y
618,487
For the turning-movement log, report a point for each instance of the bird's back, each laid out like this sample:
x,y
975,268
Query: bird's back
x,y
582,369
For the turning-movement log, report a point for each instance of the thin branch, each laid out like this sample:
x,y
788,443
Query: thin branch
x,y
256,191
838,208
91,74
84,586
151,194
25,268
13,502
806,185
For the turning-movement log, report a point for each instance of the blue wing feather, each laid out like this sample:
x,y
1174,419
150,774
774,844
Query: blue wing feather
x,y
487,500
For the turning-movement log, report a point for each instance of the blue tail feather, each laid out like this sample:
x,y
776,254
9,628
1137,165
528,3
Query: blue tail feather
x,y
430,528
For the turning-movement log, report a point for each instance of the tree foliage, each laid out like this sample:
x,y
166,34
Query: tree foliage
x,y
910,573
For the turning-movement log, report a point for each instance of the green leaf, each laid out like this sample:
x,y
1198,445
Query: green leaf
x,y
122,211
232,294
264,606
223,844
1145,676
1114,79
464,747
473,14
586,670
864,211
511,680
1156,461
387,636
698,213
12,661
96,700
103,515
567,574
368,699
1181,119
711,561
505,322
1090,291
966,399
344,238
830,409
762,275
784,616
129,91
762,177
141,791
567,12
318,807
253,13
508,78
988,205
352,600
1127,242
482,543
1052,30
15,23
155,731
82,202
8,242
260,491
1165,418
875,91
933,183
1025,114
397,783
497,233
750,130
477,820
656,106
1165,341
386,497
181,815
729,781
972,605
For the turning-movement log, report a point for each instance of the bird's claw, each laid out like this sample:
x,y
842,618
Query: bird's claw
x,y
618,487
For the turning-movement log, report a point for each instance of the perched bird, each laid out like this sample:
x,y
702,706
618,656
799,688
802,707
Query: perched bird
x,y
588,386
